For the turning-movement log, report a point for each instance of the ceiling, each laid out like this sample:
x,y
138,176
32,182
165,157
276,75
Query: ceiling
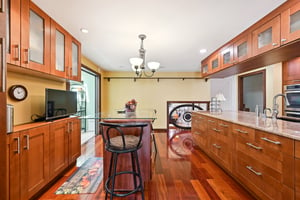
x,y
176,29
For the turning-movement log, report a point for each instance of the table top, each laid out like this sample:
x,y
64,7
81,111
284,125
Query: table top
x,y
149,114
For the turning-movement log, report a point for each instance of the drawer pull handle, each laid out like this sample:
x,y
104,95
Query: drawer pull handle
x,y
217,146
253,146
196,132
27,142
241,131
271,141
223,125
216,130
212,121
252,170
18,145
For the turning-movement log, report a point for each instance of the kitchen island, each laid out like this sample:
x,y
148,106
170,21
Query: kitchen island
x,y
124,160
260,153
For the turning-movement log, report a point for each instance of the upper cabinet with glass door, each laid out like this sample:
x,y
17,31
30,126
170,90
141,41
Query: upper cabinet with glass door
x,y
59,50
35,37
266,37
290,24
226,56
74,68
242,48
13,36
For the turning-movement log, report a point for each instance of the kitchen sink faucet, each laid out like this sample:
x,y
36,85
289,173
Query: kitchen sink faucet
x,y
275,105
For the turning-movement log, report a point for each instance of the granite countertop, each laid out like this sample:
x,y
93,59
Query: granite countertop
x,y
249,119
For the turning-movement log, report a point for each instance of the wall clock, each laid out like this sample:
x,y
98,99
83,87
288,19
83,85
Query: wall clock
x,y
18,92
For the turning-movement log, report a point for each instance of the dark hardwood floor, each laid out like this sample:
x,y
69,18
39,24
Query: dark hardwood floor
x,y
179,171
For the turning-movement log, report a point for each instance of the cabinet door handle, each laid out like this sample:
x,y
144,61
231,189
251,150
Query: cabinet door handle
x,y
27,142
241,131
271,141
223,125
274,44
3,65
216,130
196,132
18,145
283,40
217,146
26,51
212,121
17,52
253,146
252,170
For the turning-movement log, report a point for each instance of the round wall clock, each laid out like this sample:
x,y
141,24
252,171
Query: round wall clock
x,y
18,92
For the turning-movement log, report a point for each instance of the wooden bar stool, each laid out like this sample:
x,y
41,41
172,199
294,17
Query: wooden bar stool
x,y
118,141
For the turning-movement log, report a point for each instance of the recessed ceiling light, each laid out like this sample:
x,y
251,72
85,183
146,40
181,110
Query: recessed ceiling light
x,y
203,51
84,30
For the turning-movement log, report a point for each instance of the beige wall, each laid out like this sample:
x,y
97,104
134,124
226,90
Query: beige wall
x,y
153,94
35,101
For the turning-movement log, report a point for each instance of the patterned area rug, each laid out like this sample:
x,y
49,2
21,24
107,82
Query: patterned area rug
x,y
86,179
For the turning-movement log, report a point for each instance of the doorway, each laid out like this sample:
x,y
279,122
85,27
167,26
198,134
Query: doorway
x,y
252,91
88,102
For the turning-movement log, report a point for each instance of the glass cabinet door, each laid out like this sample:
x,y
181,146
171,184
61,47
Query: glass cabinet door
x,y
242,49
267,36
36,38
290,22
59,50
214,62
35,53
227,56
75,60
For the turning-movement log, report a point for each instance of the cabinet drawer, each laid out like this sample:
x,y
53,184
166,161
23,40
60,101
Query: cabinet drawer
x,y
261,179
274,145
244,132
297,178
221,150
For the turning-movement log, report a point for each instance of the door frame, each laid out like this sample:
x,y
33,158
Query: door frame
x,y
241,84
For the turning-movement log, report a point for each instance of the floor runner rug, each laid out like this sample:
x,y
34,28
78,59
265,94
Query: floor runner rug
x,y
86,179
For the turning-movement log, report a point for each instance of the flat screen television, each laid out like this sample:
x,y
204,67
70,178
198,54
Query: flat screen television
x,y
59,103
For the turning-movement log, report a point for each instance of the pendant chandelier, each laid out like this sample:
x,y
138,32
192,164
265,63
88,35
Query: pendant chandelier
x,y
138,63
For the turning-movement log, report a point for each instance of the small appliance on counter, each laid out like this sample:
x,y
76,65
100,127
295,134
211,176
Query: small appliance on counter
x,y
9,118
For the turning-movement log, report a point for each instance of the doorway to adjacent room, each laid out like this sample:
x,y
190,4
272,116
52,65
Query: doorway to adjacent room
x,y
252,91
87,102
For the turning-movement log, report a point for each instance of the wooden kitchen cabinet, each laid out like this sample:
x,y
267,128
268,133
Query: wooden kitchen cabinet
x,y
59,50
291,71
266,37
242,48
64,144
65,54
74,71
264,163
28,162
199,131
29,48
74,132
204,67
297,169
226,56
13,32
220,142
35,46
214,63
290,24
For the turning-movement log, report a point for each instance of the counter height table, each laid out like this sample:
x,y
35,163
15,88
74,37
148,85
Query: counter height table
x,y
124,160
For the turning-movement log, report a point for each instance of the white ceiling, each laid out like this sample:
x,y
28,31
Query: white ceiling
x,y
176,29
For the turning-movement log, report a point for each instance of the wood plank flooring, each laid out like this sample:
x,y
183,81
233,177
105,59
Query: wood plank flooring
x,y
179,171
